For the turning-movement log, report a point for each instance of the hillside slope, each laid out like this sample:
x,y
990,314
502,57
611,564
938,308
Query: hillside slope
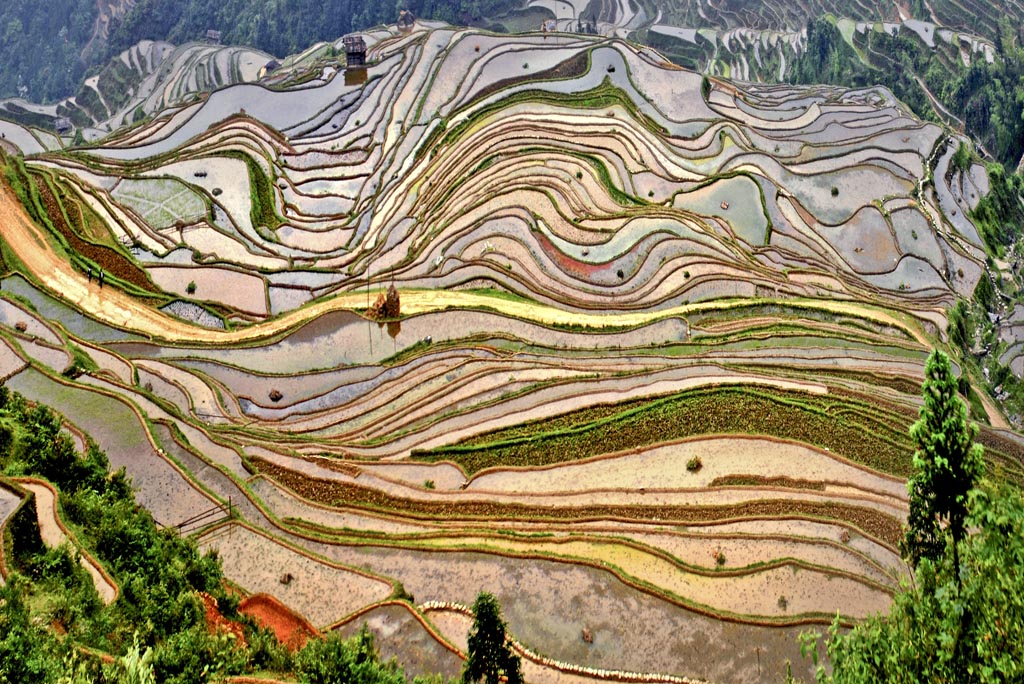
x,y
646,371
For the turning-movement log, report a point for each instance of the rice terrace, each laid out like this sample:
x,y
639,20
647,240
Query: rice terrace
x,y
632,347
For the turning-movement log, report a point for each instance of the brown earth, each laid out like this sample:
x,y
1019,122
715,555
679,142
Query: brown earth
x,y
289,628
216,622
109,259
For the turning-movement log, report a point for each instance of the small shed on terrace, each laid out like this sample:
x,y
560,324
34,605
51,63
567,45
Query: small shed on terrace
x,y
355,51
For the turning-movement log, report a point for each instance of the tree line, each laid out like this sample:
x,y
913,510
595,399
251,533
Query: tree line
x,y
959,618
44,50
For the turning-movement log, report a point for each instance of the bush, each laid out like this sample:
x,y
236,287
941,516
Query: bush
x,y
333,660
694,464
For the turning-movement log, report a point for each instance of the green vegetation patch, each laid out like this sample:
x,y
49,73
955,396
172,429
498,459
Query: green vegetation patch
x,y
261,191
838,422
157,625
999,215
161,201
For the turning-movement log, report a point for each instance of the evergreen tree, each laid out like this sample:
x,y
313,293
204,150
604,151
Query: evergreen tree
x,y
490,655
947,465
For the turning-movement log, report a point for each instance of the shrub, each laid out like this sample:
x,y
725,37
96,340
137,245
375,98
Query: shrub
x,y
191,287
332,659
694,464
835,191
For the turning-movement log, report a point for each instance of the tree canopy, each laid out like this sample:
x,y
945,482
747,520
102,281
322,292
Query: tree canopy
x,y
947,464
157,625
490,655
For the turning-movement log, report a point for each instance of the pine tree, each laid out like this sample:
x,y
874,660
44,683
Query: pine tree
x,y
490,655
947,465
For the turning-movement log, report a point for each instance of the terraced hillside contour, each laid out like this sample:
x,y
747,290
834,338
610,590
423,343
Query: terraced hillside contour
x,y
661,341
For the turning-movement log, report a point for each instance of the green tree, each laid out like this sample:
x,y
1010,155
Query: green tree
x,y
333,660
490,655
960,622
947,465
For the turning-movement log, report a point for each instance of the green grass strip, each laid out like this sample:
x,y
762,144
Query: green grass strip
x,y
827,422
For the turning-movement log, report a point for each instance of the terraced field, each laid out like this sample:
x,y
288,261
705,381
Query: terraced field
x,y
661,340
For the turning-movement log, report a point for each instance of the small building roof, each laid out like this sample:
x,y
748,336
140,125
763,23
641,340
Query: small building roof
x,y
354,44
213,34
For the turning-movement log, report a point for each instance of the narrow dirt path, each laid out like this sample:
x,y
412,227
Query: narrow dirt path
x,y
53,535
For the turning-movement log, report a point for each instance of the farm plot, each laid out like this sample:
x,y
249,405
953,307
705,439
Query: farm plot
x,y
160,487
260,564
9,502
160,202
10,361
548,604
400,633
675,466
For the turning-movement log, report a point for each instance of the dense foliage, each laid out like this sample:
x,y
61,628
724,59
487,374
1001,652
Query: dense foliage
x,y
962,618
1000,214
40,48
334,660
157,624
158,572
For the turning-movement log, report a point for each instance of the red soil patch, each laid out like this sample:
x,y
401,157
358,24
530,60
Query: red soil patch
x,y
573,267
216,622
291,629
